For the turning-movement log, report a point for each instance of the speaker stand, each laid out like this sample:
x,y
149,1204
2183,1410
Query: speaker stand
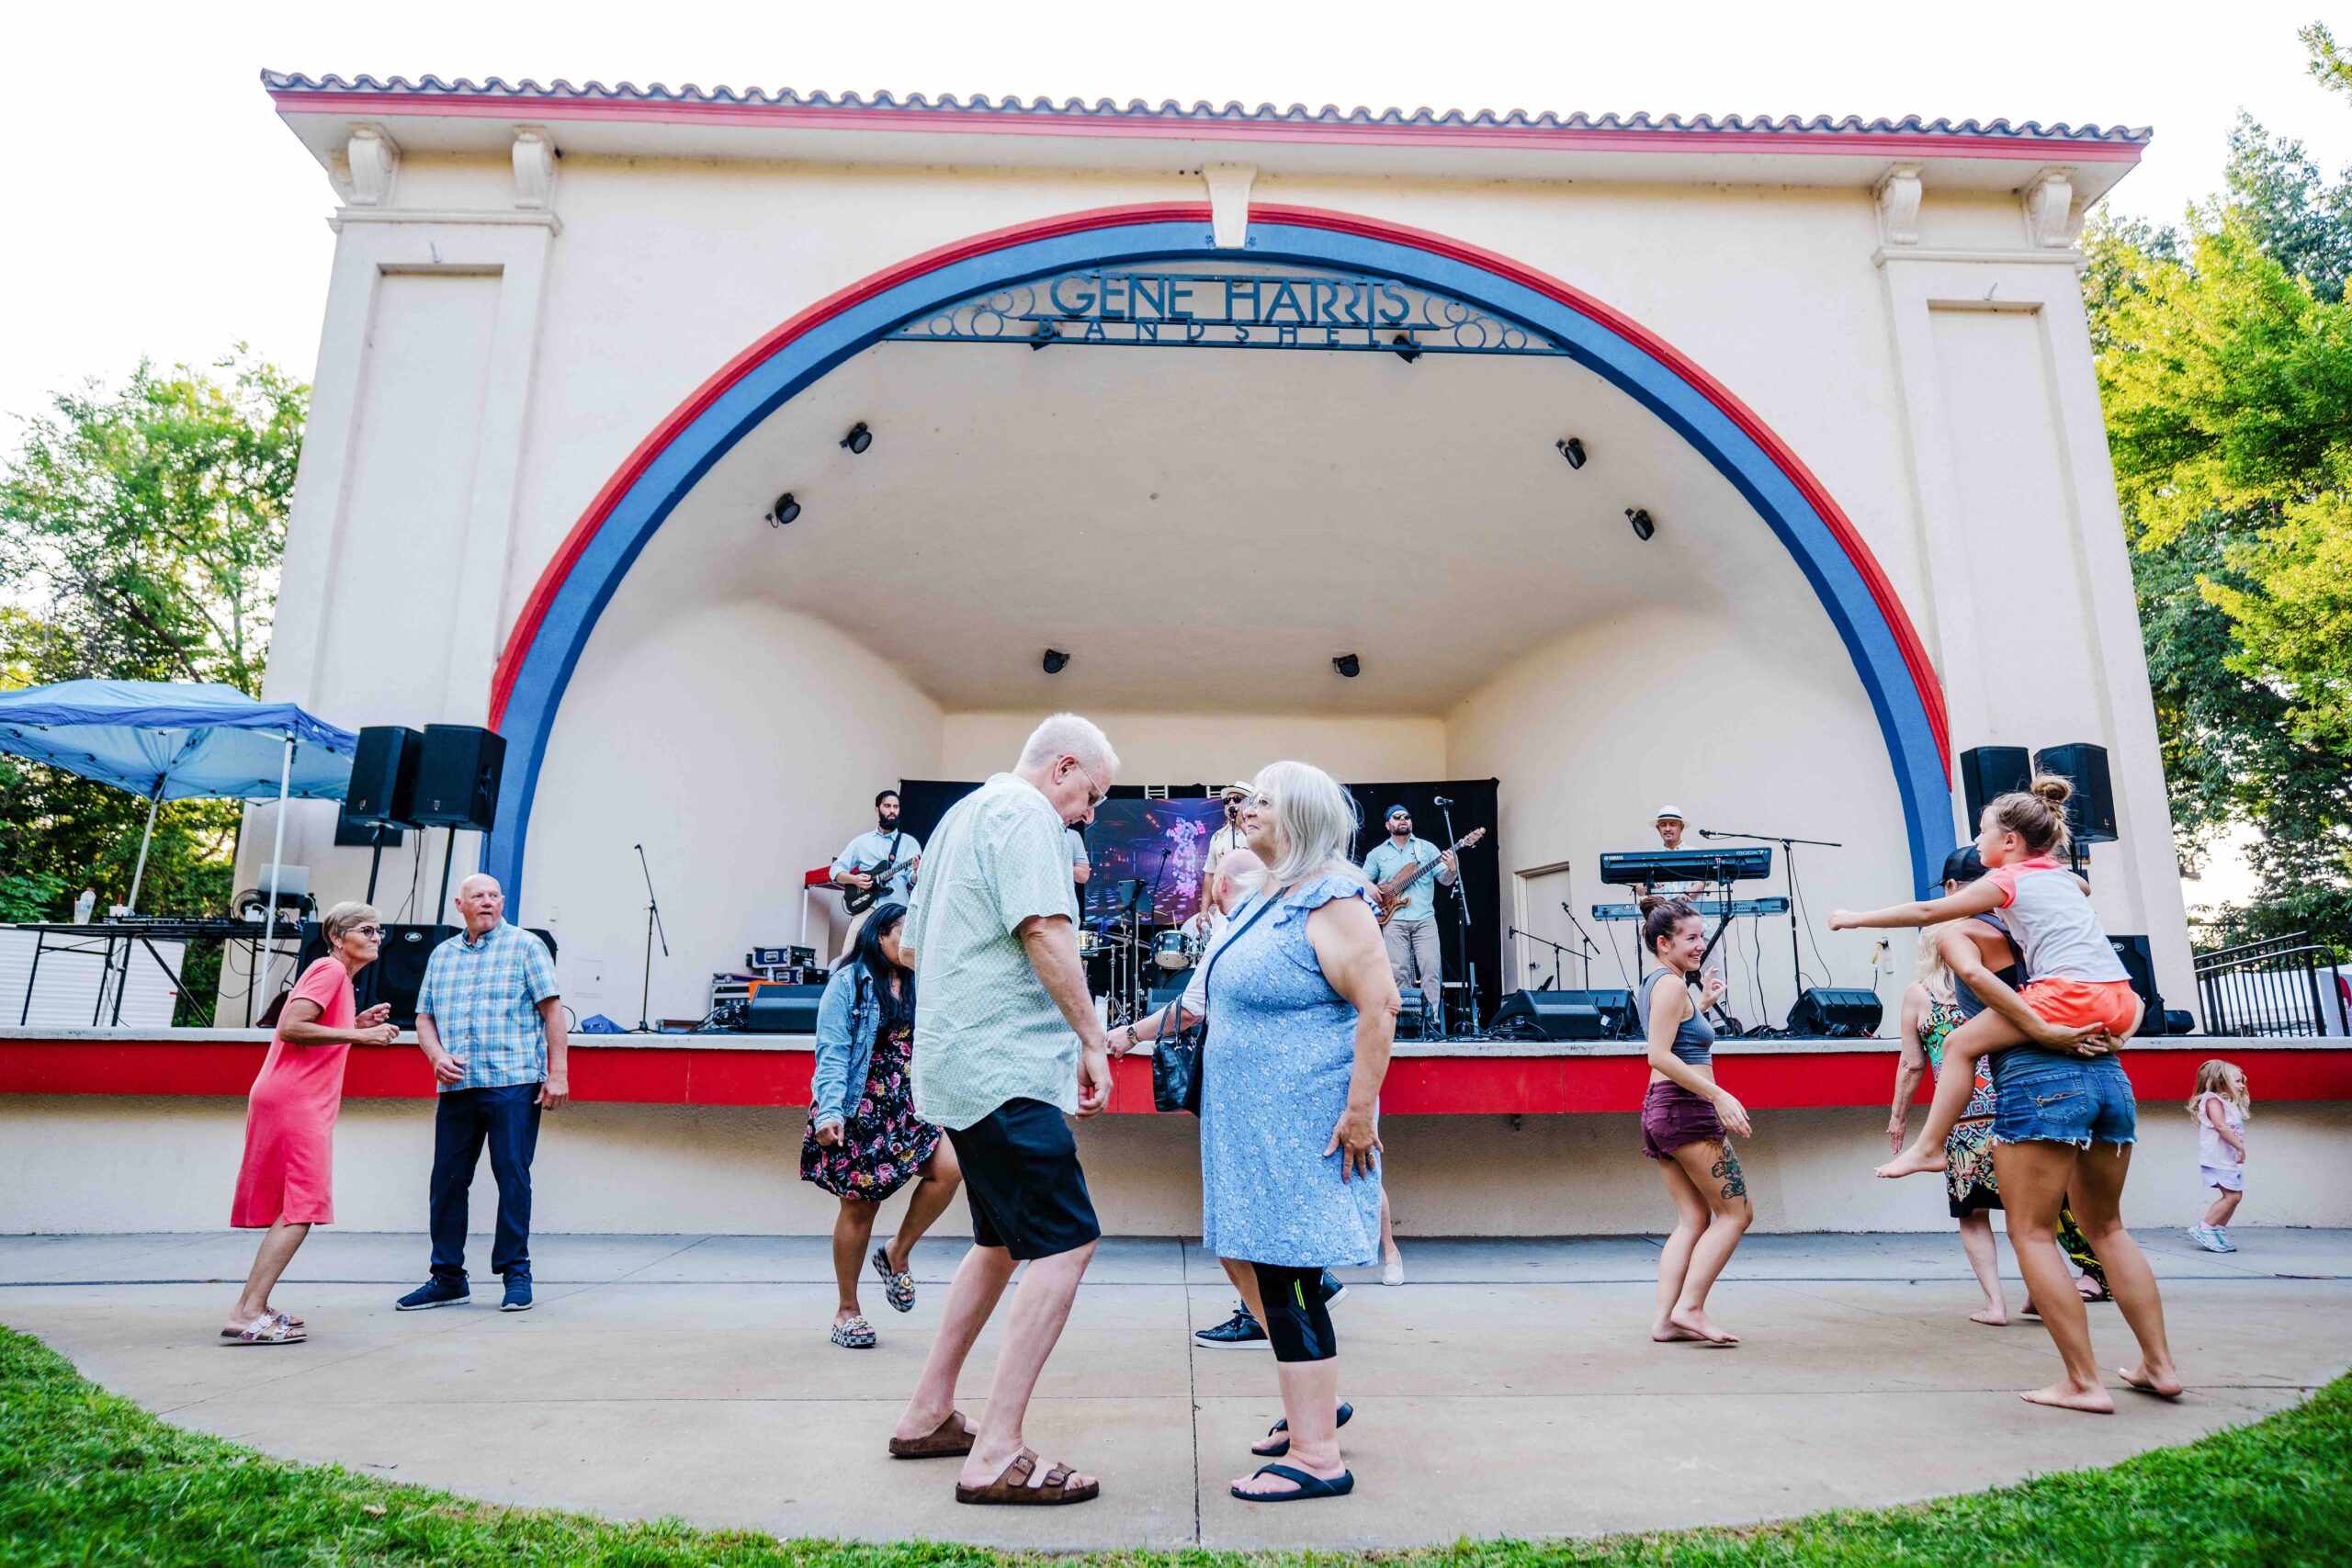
x,y
652,927
448,852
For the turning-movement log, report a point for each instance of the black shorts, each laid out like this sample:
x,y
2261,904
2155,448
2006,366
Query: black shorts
x,y
1022,1181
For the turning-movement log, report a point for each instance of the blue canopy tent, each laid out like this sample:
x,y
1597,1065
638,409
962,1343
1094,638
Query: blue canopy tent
x,y
181,740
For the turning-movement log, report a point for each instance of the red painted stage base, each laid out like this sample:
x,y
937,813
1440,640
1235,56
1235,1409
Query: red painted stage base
x,y
1787,1076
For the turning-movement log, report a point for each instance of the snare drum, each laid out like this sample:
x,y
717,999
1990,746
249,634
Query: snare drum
x,y
1170,951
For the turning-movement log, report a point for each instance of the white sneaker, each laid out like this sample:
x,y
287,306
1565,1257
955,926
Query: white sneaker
x,y
2207,1240
2221,1234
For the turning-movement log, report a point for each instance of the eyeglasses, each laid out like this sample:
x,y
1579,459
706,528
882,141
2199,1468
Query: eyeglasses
x,y
1095,797
365,930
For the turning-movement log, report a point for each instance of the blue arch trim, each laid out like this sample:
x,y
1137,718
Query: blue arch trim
x,y
547,646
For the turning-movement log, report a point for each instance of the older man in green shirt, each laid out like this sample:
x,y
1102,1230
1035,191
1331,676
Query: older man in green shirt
x,y
1006,1044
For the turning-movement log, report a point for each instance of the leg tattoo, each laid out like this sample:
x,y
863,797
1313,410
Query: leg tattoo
x,y
1735,1182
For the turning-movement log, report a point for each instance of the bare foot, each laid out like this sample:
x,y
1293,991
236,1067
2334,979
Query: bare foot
x,y
2030,1310
1665,1333
2139,1380
1911,1162
1991,1317
2066,1394
1696,1324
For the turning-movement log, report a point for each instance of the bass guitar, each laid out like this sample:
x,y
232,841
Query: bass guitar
x,y
857,900
1391,893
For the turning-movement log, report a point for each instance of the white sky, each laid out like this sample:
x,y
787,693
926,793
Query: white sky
x,y
160,209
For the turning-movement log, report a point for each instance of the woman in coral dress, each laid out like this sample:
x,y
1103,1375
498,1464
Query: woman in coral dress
x,y
287,1182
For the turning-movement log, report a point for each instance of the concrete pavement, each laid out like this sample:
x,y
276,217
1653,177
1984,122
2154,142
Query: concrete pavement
x,y
1507,1388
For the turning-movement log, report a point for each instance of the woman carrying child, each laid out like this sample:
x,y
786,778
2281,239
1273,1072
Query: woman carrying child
x,y
2062,1122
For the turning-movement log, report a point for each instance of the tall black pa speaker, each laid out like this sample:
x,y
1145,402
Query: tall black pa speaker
x,y
2090,811
456,777
1836,1012
1989,771
383,778
1556,1015
2140,962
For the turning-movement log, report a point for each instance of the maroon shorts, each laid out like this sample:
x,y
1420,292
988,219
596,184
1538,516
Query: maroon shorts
x,y
1673,1116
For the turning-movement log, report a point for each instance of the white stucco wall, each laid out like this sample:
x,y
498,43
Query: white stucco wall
x,y
1965,448
669,1170
1209,749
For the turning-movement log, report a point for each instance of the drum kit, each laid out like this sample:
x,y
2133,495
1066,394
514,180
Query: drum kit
x,y
1126,954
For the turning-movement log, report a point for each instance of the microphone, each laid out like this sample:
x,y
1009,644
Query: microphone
x,y
1710,833
1440,800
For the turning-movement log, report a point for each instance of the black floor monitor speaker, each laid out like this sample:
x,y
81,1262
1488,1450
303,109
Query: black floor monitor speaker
x,y
456,777
1836,1012
383,778
1989,771
782,1010
2090,811
2140,962
1616,1009
1559,1015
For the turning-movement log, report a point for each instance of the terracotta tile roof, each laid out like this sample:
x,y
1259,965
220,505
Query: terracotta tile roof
x,y
295,86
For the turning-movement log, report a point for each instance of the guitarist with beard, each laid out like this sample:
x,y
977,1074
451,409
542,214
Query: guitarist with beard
x,y
1411,933
886,855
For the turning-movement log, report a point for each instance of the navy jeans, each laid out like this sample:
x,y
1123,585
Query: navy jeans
x,y
507,1119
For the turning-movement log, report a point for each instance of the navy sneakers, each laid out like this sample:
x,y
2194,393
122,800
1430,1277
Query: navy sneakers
x,y
435,1292
518,1294
1239,1332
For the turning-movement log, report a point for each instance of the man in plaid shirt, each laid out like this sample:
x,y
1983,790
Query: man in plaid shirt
x,y
491,1023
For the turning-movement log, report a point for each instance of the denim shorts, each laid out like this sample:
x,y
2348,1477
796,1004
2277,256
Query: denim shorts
x,y
2048,1099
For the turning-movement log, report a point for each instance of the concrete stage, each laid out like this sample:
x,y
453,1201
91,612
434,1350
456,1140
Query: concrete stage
x,y
1507,1389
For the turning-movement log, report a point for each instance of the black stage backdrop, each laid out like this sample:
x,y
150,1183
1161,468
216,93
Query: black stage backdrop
x,y
922,802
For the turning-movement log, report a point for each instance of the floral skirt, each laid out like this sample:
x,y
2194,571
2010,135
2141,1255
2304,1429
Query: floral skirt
x,y
1969,1184
883,1144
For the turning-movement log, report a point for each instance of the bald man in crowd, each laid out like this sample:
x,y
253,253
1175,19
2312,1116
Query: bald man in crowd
x,y
489,1020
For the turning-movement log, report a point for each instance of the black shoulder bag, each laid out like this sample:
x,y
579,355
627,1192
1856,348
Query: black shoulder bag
x,y
1177,1058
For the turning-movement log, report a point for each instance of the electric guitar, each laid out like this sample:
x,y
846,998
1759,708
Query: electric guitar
x,y
1391,893
857,900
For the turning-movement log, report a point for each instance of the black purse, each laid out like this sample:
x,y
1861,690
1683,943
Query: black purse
x,y
1177,1059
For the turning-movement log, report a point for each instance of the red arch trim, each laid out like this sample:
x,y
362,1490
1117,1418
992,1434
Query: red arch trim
x,y
1841,527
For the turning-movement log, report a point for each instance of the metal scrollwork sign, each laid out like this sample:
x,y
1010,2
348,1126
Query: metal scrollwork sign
x,y
1203,310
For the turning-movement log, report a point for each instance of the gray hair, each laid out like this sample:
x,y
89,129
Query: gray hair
x,y
340,919
1315,819
1235,869
1067,735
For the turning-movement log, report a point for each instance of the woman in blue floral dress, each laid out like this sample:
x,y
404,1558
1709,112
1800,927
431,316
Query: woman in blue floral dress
x,y
1302,1011
865,1141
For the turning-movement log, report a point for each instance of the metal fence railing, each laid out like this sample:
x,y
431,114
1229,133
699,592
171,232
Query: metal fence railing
x,y
2282,985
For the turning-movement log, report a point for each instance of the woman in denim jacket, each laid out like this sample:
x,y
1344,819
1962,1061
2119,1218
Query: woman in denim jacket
x,y
865,1141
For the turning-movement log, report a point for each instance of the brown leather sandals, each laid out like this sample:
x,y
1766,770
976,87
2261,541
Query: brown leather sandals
x,y
1012,1487
950,1439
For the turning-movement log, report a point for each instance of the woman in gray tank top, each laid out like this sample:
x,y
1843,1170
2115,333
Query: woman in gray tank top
x,y
1688,1121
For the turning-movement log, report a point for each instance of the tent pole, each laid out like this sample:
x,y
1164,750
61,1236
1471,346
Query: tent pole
x,y
145,838
276,855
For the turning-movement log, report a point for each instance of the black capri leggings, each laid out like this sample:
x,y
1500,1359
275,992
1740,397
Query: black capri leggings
x,y
1297,1320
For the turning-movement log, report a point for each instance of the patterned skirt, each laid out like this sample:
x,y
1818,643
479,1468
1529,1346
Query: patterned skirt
x,y
883,1144
1969,1184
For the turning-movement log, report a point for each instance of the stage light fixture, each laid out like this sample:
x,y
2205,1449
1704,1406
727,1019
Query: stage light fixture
x,y
1405,349
1348,665
1572,450
785,510
1643,527
859,438
1055,659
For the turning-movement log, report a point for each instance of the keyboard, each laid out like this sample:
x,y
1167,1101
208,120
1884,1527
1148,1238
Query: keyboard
x,y
1750,862
1711,907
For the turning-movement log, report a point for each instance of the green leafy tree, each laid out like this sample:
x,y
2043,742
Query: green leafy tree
x,y
141,530
2224,354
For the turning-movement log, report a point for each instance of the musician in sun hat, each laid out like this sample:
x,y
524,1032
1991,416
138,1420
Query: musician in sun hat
x,y
1412,938
1670,828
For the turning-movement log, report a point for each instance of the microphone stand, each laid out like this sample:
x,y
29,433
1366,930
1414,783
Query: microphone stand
x,y
1462,907
1583,936
1558,949
652,925
1789,857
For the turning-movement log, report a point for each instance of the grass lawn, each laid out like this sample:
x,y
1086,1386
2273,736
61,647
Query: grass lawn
x,y
87,1477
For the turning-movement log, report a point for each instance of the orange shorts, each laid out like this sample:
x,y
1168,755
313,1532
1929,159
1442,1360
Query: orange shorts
x,y
2112,1005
